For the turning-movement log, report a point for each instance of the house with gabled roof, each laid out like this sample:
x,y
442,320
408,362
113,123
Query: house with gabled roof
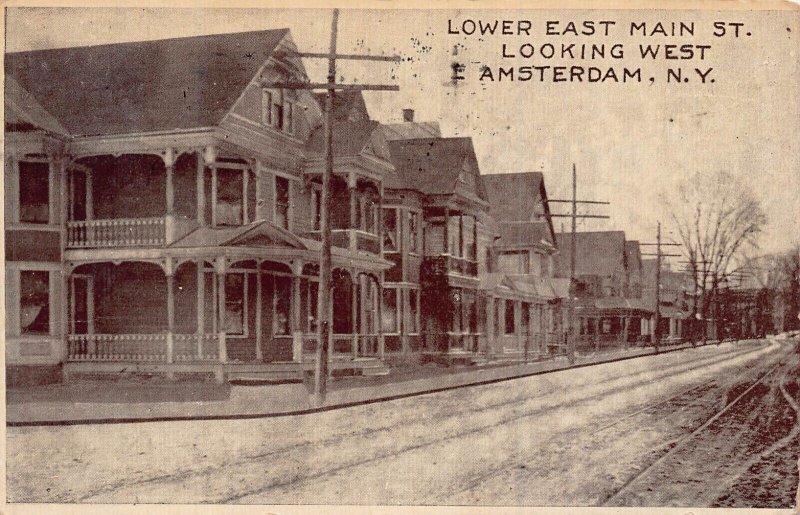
x,y
609,309
162,206
531,321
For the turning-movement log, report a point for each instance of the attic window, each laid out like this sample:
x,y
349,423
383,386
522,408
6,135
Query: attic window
x,y
277,110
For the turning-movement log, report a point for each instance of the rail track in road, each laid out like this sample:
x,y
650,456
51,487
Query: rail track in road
x,y
450,421
650,377
684,394
671,465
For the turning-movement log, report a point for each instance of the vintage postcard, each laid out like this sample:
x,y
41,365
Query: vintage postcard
x,y
463,259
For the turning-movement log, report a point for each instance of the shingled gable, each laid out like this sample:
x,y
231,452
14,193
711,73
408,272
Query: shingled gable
x,y
145,86
348,106
433,165
350,139
597,253
257,234
510,200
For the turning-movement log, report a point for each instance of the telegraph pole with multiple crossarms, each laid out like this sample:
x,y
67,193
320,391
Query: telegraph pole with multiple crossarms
x,y
324,298
572,245
657,309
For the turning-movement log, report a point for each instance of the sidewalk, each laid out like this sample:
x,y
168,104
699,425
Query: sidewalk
x,y
128,401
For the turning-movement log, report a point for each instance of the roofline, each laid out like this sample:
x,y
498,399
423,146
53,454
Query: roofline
x,y
285,30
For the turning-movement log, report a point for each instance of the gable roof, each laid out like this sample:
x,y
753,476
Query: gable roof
x,y
522,234
349,138
348,106
433,165
597,253
143,86
22,109
511,198
411,130
257,234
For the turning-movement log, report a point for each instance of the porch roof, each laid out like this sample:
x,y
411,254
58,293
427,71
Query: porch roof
x,y
259,234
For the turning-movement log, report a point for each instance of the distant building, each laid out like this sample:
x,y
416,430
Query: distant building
x,y
609,310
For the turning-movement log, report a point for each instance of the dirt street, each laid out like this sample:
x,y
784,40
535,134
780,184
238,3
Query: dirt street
x,y
614,434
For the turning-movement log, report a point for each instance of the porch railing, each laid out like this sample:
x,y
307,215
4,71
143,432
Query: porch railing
x,y
116,232
117,347
188,348
351,239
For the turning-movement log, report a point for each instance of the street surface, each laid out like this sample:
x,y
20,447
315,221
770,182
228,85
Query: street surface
x,y
644,432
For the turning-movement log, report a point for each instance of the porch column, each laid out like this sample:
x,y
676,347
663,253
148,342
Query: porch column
x,y
201,189
170,274
259,310
169,223
89,197
220,267
490,330
201,304
447,231
213,196
381,340
355,284
297,319
596,334
352,192
625,328
379,221
518,323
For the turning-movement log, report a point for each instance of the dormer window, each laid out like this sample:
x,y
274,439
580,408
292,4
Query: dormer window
x,y
277,109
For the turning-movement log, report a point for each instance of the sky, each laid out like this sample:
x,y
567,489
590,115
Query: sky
x,y
632,143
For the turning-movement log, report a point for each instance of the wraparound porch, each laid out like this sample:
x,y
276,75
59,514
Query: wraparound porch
x,y
197,314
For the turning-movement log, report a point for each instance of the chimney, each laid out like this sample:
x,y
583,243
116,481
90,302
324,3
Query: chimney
x,y
408,115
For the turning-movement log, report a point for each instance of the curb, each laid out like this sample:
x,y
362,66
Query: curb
x,y
336,406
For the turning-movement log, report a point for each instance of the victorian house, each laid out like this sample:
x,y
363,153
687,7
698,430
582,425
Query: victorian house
x,y
162,211
525,298
162,216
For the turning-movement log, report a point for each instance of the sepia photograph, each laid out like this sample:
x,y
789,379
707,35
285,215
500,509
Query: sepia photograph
x,y
332,257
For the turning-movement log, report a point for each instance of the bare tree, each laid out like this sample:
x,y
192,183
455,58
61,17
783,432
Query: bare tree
x,y
717,219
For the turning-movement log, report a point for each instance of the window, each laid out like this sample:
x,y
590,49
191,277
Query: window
x,y
454,236
34,300
390,313
235,294
525,318
434,239
468,227
230,198
509,315
513,262
367,213
281,313
282,202
413,232
309,292
277,110
413,311
390,230
34,192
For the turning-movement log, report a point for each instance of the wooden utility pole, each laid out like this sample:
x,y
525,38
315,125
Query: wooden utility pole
x,y
571,333
657,309
324,298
